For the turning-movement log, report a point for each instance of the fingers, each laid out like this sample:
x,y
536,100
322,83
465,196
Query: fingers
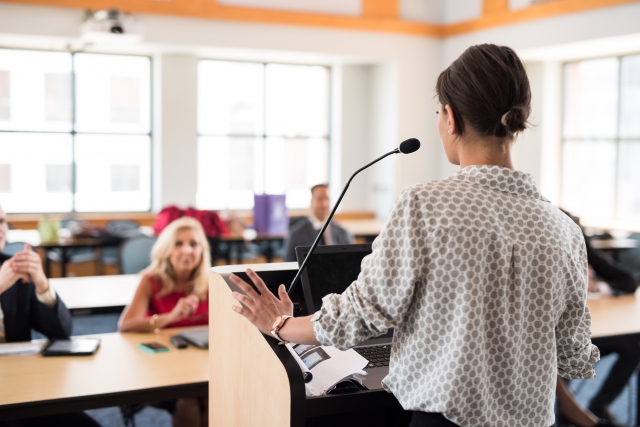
x,y
27,247
262,288
243,299
245,312
282,293
244,286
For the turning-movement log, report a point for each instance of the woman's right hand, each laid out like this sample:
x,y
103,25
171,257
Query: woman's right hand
x,y
185,307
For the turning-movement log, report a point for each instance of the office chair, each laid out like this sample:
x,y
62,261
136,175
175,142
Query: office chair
x,y
135,254
12,248
118,229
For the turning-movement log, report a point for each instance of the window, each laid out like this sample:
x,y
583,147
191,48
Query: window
x,y
601,139
264,128
75,132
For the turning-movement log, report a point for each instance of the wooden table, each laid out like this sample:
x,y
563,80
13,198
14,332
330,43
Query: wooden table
x,y
96,294
64,246
118,373
237,241
367,229
616,319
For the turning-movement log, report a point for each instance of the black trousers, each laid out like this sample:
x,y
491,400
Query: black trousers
x,y
628,360
430,419
73,419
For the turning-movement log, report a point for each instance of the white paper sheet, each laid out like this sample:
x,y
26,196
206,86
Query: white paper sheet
x,y
22,348
328,365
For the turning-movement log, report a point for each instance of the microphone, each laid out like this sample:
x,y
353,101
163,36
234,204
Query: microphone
x,y
406,147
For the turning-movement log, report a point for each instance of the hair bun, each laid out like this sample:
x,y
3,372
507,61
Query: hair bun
x,y
515,120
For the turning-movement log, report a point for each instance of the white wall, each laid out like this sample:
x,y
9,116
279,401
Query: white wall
x,y
179,129
538,150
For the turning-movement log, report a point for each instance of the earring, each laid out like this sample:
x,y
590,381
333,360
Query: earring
x,y
449,131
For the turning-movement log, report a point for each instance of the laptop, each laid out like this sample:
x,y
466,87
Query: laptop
x,y
198,336
331,269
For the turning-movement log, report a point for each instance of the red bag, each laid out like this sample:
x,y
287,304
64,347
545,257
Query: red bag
x,y
213,225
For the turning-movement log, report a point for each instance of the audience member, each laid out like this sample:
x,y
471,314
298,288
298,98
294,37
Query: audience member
x,y
173,292
28,302
305,230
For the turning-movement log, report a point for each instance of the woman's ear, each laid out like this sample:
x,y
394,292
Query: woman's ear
x,y
452,129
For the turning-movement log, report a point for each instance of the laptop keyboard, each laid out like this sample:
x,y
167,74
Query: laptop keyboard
x,y
377,355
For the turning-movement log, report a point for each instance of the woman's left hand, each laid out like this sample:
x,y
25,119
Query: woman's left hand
x,y
262,308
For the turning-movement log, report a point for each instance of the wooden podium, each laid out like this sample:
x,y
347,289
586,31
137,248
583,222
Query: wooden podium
x,y
253,381
256,382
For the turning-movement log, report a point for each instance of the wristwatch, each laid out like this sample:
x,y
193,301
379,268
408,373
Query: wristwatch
x,y
277,325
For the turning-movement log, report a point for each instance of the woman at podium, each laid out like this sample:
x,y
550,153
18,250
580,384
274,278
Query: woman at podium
x,y
484,280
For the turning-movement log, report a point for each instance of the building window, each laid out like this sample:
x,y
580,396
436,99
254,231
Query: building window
x,y
75,132
263,129
601,139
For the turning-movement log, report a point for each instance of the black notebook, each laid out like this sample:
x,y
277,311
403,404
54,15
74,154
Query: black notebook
x,y
72,347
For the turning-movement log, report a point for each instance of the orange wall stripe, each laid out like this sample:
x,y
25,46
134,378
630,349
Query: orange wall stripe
x,y
378,14
494,6
381,8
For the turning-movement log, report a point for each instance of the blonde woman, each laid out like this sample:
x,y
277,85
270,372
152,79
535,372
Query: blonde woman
x,y
174,288
173,292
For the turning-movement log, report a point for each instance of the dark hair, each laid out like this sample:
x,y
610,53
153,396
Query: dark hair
x,y
319,186
488,89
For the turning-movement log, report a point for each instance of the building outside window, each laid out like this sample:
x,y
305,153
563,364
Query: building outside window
x,y
75,132
263,129
601,139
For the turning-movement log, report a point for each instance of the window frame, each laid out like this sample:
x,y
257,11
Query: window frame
x,y
263,136
617,139
73,132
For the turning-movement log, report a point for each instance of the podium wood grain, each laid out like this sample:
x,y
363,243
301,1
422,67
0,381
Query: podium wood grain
x,y
118,366
249,386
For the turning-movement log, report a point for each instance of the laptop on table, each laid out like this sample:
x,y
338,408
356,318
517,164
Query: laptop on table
x,y
331,269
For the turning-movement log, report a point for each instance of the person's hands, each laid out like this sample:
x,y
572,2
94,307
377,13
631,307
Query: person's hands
x,y
261,309
29,264
9,276
185,307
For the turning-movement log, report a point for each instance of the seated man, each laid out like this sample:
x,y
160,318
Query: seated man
x,y
305,230
28,302
26,299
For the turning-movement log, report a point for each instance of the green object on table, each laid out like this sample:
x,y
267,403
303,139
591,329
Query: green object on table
x,y
48,230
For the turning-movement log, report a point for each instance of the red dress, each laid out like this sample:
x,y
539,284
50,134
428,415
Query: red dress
x,y
166,303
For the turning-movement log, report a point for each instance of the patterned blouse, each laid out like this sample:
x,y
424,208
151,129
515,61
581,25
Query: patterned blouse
x,y
485,283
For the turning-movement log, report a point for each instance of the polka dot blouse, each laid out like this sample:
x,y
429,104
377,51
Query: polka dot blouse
x,y
485,283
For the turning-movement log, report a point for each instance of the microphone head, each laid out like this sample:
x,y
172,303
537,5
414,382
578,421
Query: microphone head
x,y
409,146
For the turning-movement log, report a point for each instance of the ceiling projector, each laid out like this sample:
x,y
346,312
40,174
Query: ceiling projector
x,y
110,26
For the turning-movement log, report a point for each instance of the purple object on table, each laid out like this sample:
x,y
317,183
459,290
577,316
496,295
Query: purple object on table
x,y
270,214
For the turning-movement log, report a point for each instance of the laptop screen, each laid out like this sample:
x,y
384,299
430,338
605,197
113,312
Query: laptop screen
x,y
330,269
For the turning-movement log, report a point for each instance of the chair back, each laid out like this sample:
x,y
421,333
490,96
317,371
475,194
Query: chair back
x,y
12,248
122,228
135,254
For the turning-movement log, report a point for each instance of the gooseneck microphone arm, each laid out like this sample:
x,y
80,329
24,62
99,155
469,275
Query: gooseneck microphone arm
x,y
408,146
